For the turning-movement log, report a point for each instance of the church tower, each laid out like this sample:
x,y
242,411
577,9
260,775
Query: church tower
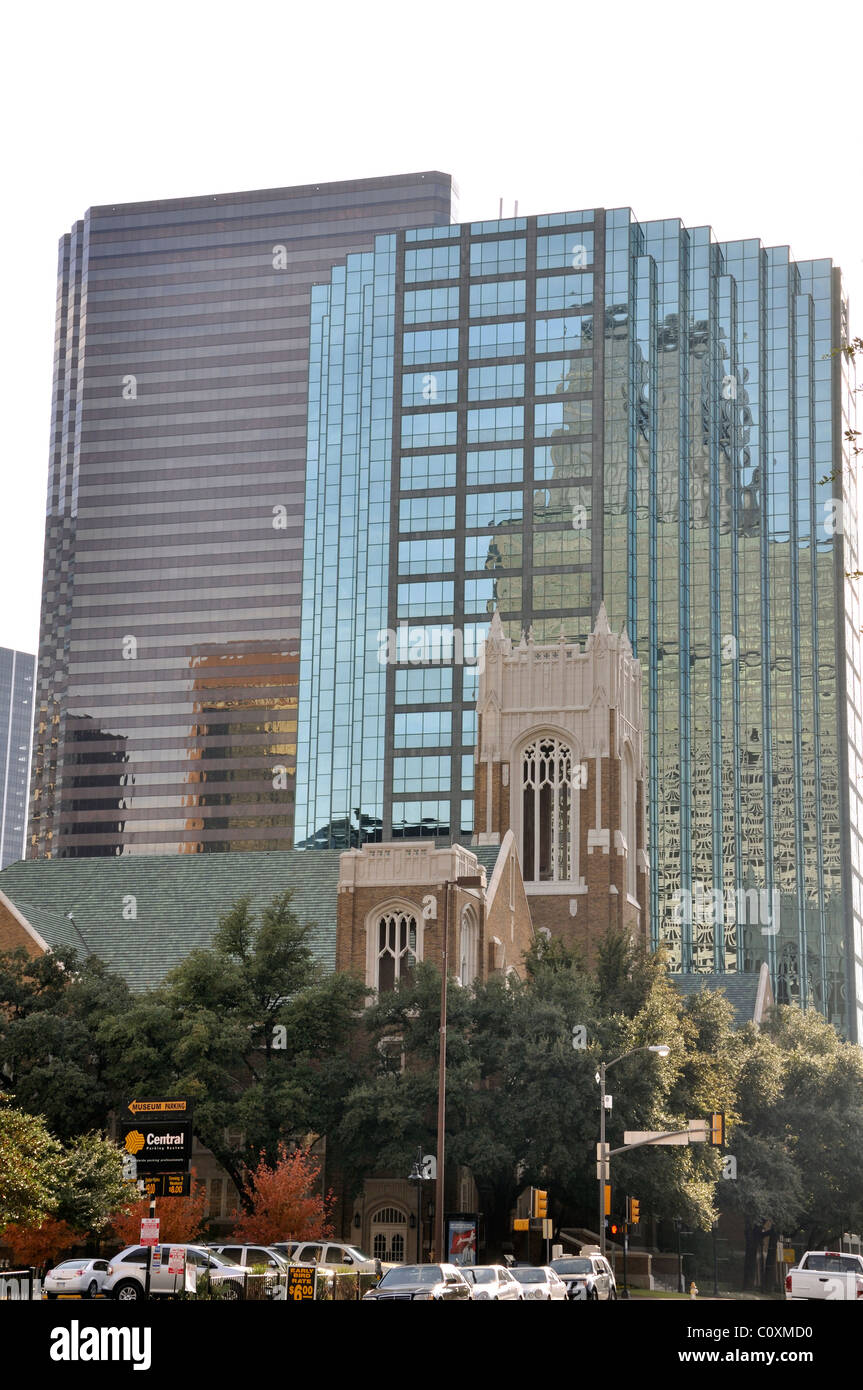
x,y
560,763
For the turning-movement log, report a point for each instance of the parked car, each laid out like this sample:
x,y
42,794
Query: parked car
x,y
273,1261
84,1277
587,1277
127,1272
826,1274
331,1253
417,1282
539,1282
492,1282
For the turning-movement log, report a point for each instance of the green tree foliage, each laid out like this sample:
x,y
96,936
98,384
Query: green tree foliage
x,y
28,1155
57,1014
799,1144
522,1101
254,1031
89,1184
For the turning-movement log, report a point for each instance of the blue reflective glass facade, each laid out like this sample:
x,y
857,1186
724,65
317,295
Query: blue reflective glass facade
x,y
597,408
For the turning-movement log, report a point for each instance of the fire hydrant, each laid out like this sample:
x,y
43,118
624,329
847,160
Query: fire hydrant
x,y
693,1291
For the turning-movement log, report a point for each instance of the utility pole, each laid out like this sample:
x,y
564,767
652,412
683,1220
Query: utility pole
x,y
149,1272
441,1092
603,1164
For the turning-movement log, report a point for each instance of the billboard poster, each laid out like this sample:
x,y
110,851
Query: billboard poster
x,y
461,1238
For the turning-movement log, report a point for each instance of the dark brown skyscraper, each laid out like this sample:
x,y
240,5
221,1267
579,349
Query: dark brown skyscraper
x,y
174,533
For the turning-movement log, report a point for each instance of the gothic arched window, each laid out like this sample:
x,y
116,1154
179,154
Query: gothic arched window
x,y
469,958
549,812
628,820
396,953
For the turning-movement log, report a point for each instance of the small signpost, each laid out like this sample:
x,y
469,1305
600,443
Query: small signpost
x,y
149,1230
157,1138
176,1260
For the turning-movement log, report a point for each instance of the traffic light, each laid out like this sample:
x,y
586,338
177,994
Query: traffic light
x,y
717,1129
613,1229
539,1204
633,1209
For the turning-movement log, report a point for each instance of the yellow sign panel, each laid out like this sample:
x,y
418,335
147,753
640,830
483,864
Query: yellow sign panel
x,y
521,1223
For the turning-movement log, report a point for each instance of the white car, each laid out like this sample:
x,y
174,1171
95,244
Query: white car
x,y
826,1274
273,1261
539,1282
127,1272
84,1277
332,1254
587,1277
492,1282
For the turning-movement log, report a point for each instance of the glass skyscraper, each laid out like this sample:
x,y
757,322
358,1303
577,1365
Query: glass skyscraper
x,y
168,659
17,671
540,413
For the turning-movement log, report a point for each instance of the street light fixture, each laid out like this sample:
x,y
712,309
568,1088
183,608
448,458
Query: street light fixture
x,y
662,1050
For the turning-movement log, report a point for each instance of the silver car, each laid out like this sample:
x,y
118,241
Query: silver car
x,y
539,1282
492,1282
84,1277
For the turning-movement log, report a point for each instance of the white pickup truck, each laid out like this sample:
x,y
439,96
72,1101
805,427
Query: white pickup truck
x,y
826,1274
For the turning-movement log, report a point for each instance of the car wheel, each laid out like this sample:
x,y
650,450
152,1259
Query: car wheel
x,y
92,1289
128,1292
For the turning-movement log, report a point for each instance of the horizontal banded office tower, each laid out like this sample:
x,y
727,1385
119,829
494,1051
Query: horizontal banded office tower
x,y
166,701
559,410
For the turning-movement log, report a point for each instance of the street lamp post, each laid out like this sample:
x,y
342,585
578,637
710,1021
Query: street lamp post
x,y
662,1050
465,881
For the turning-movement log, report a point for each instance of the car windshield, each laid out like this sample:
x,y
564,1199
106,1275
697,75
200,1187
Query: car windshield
x,y
529,1276
571,1266
480,1276
355,1254
833,1264
217,1258
412,1274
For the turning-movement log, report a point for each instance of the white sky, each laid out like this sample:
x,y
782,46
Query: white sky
x,y
745,116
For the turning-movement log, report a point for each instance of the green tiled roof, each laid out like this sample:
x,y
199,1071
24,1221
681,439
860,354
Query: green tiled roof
x,y
178,901
741,987
487,856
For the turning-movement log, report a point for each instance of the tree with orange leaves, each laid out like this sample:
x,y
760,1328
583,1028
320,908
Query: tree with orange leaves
x,y
181,1219
38,1245
284,1204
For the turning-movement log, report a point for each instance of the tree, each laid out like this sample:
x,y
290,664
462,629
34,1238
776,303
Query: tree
x,y
181,1219
522,1101
42,1244
797,1147
256,1032
28,1154
89,1184
52,1010
284,1205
